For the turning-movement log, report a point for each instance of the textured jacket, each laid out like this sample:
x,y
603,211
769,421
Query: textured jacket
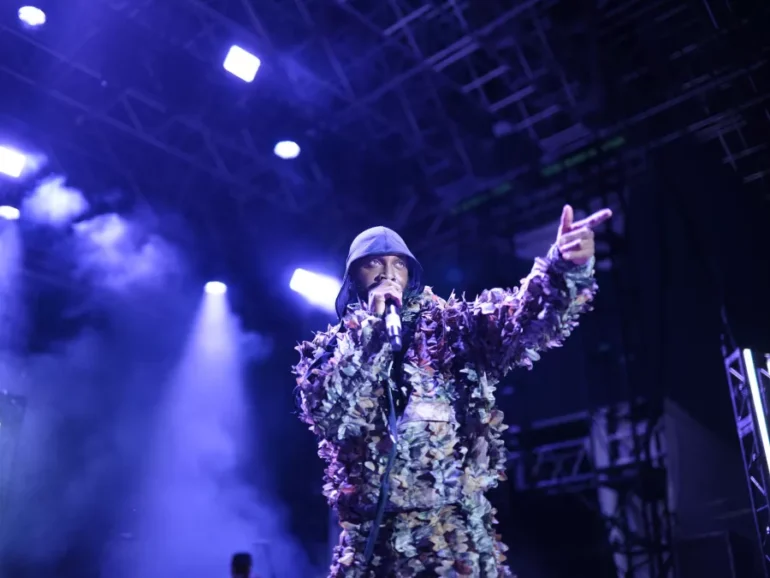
x,y
449,444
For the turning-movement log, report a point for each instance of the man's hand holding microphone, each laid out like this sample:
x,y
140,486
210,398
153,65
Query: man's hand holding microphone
x,y
386,298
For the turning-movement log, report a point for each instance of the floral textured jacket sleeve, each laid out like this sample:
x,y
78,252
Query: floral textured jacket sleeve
x,y
337,373
341,378
502,329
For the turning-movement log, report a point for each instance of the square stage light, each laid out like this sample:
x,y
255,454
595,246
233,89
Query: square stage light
x,y
241,63
12,162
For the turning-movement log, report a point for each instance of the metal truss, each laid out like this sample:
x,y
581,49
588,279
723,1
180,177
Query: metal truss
x,y
286,37
678,77
742,133
383,85
748,376
482,80
314,95
468,100
116,112
301,43
616,457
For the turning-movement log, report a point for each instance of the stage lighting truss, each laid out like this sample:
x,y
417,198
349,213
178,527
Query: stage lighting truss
x,y
524,73
115,120
447,90
748,376
579,454
616,459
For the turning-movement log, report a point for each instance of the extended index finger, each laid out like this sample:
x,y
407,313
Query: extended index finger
x,y
593,221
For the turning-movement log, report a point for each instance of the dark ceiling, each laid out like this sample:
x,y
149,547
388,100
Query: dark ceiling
x,y
449,121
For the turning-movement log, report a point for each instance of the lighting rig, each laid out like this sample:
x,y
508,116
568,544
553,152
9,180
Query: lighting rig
x,y
748,376
614,458
486,104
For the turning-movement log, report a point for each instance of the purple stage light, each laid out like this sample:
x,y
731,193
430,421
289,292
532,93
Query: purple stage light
x,y
241,63
216,288
760,411
319,290
12,162
286,150
9,213
31,16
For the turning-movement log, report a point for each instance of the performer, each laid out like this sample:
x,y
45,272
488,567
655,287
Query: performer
x,y
413,439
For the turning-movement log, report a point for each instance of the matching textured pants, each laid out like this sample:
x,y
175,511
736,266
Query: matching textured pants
x,y
450,541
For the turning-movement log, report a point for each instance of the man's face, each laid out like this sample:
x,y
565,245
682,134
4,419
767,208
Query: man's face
x,y
371,271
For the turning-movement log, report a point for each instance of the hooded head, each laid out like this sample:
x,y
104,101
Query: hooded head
x,y
376,242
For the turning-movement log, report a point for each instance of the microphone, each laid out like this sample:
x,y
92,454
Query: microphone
x,y
393,324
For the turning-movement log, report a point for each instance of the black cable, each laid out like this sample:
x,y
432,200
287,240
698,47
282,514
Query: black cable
x,y
382,502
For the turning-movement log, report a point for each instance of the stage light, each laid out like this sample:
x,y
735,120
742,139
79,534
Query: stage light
x,y
9,213
286,149
242,64
759,407
31,16
319,290
12,162
216,288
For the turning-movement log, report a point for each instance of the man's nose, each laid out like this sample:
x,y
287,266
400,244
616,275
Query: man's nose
x,y
387,274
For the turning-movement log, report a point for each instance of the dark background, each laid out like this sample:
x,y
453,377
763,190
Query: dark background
x,y
390,136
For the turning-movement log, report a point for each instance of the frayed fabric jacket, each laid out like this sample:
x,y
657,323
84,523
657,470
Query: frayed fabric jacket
x,y
449,444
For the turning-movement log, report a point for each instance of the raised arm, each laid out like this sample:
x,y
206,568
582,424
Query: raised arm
x,y
339,374
506,328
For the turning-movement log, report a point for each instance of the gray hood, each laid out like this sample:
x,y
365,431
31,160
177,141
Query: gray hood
x,y
371,243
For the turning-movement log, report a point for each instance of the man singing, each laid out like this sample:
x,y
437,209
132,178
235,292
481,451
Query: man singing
x,y
413,438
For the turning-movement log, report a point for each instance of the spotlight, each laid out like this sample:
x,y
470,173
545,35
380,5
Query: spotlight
x,y
216,288
286,149
241,63
9,213
320,290
32,16
12,162
760,412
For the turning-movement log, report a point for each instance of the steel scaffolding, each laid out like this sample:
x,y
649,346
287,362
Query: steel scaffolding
x,y
676,77
107,109
748,376
491,101
595,454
